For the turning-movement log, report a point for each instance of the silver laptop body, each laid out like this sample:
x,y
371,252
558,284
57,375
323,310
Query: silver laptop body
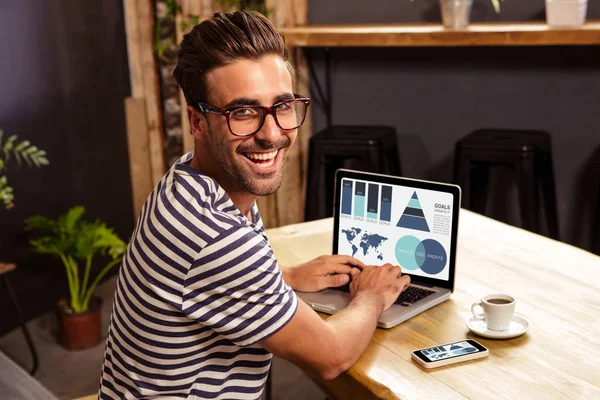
x,y
382,219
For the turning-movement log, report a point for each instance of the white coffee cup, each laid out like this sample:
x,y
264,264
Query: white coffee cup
x,y
498,310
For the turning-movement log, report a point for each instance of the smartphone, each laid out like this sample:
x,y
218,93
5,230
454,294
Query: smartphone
x,y
450,353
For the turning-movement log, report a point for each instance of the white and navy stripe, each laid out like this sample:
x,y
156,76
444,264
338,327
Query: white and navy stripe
x,y
198,288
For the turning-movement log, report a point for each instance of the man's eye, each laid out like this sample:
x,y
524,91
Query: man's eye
x,y
243,113
285,107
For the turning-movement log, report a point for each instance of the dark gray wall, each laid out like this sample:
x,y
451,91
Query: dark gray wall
x,y
434,96
399,11
63,78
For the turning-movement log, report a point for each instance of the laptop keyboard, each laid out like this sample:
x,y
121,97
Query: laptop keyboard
x,y
413,294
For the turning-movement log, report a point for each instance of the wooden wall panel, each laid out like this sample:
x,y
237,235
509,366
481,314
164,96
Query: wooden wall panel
x,y
139,17
139,155
203,9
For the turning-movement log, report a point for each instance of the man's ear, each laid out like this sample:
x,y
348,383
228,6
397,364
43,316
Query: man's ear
x,y
197,122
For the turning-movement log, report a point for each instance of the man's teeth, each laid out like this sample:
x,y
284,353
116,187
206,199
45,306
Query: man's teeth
x,y
262,156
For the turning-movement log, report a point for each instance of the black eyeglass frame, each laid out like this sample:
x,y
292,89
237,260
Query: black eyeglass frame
x,y
208,108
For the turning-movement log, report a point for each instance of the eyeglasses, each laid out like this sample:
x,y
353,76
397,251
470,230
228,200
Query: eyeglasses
x,y
247,120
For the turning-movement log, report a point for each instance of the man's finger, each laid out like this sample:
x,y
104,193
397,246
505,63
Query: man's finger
x,y
337,280
348,260
404,281
334,268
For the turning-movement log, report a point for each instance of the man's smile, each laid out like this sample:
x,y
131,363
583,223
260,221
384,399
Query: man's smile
x,y
263,161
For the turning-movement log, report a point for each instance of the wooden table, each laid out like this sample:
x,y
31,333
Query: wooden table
x,y
557,287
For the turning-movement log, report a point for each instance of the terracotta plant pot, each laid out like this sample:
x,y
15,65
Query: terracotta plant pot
x,y
80,330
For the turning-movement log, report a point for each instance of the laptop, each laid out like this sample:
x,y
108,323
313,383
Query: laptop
x,y
382,219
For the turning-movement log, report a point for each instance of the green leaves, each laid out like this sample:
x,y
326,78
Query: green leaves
x,y
108,242
248,5
496,4
39,222
76,241
68,222
6,192
21,151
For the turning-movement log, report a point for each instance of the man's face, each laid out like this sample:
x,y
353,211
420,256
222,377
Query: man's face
x,y
254,164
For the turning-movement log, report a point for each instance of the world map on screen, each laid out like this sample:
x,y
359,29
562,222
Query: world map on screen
x,y
368,243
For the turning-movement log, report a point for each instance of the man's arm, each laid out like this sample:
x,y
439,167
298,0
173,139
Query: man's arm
x,y
328,348
321,273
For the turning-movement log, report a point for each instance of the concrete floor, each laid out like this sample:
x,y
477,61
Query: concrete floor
x,y
72,374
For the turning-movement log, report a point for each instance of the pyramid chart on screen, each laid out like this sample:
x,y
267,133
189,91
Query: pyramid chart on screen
x,y
413,217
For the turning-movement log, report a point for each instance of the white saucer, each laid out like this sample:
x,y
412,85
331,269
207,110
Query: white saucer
x,y
518,326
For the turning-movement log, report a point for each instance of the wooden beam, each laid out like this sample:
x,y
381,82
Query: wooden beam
x,y
477,34
139,156
203,9
139,18
136,74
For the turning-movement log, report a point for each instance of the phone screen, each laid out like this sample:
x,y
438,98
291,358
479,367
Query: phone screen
x,y
449,350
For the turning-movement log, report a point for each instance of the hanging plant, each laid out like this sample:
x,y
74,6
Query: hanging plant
x,y
22,150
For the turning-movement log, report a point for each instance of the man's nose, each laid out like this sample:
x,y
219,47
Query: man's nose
x,y
269,132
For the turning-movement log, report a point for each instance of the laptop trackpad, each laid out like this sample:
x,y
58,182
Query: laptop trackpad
x,y
328,301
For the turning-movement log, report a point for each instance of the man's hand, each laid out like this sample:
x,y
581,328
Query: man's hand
x,y
322,273
385,282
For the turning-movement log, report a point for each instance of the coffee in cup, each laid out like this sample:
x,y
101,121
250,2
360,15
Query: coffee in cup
x,y
497,309
499,301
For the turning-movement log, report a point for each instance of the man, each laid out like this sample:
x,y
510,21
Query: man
x,y
201,304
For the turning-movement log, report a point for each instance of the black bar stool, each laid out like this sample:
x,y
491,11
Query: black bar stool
x,y
528,154
363,148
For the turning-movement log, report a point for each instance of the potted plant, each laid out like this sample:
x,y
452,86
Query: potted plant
x,y
21,151
76,242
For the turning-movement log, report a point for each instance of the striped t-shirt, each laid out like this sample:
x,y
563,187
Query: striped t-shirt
x,y
198,288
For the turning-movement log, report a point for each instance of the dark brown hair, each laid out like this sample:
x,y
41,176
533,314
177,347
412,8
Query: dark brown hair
x,y
219,41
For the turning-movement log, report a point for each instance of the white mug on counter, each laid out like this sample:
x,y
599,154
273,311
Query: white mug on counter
x,y
498,310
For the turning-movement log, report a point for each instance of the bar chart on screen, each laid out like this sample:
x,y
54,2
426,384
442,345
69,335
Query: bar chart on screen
x,y
359,199
370,202
373,202
386,203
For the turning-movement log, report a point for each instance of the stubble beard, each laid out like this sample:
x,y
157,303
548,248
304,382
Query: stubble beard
x,y
242,177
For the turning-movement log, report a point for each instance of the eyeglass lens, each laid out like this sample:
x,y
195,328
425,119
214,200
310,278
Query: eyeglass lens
x,y
246,120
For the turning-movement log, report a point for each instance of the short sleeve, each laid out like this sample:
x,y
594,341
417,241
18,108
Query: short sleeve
x,y
236,288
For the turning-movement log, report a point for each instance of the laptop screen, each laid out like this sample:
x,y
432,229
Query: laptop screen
x,y
398,221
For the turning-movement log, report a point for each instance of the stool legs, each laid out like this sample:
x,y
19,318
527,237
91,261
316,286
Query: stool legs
x,y
30,344
549,191
528,194
473,179
314,184
462,168
480,177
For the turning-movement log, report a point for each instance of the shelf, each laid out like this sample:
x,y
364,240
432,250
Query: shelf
x,y
404,35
